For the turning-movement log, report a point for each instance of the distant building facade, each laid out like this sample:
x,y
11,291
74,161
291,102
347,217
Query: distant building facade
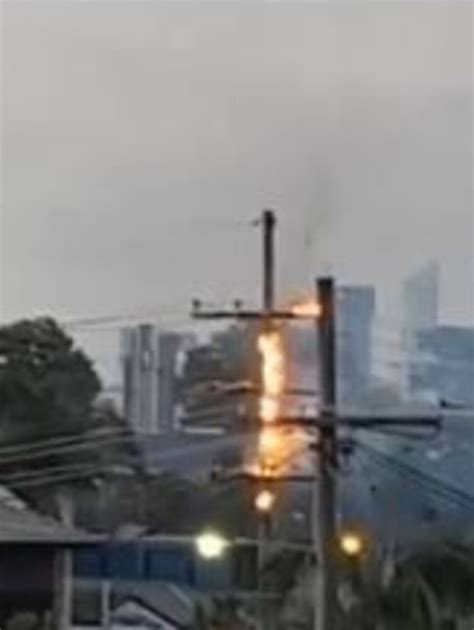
x,y
446,364
169,347
149,364
421,299
421,313
355,317
215,380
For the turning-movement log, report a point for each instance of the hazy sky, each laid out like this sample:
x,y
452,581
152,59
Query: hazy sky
x,y
140,139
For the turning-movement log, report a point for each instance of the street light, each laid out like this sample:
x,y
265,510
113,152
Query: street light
x,y
211,545
351,544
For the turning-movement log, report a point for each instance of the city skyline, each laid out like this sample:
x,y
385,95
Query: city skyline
x,y
236,314
141,140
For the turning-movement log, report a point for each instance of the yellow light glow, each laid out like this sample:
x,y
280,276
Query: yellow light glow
x,y
310,308
269,440
264,501
351,544
269,409
270,346
211,545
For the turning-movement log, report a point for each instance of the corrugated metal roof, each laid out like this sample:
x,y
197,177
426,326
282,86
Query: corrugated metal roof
x,y
23,525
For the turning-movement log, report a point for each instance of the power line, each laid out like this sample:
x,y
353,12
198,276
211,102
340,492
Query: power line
x,y
143,458
430,490
45,447
72,449
55,479
61,440
419,476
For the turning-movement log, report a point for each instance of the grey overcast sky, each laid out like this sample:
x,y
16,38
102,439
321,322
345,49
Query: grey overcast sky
x,y
139,139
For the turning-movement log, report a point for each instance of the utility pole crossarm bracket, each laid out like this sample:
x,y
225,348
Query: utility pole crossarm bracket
x,y
252,315
360,422
255,477
368,422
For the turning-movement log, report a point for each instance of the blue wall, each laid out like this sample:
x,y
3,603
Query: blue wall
x,y
147,561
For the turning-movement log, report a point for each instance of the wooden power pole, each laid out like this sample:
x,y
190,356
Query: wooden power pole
x,y
268,304
324,503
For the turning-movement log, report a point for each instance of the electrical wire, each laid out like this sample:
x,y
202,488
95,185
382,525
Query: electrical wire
x,y
55,479
54,475
411,435
60,441
171,453
68,449
443,488
436,492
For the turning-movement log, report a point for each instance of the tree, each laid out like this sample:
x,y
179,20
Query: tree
x,y
448,572
48,416
47,386
429,589
123,448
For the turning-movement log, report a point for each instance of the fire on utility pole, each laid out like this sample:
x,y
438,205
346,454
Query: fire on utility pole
x,y
325,422
264,516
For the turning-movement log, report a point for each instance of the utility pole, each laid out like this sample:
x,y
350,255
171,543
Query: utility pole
x,y
105,602
268,304
268,231
266,316
326,422
64,566
325,524
324,502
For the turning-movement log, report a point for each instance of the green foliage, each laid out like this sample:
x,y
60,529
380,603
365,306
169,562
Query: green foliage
x,y
449,573
409,603
122,449
282,572
46,385
48,392
430,589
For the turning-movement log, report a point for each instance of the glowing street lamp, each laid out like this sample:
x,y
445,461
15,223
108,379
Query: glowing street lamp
x,y
211,545
351,544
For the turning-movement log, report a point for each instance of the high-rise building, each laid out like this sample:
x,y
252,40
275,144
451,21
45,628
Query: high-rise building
x,y
421,307
421,299
149,361
169,346
354,317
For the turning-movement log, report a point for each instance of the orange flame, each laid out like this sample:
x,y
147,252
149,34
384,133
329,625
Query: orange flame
x,y
276,447
271,445
273,450
270,347
309,308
